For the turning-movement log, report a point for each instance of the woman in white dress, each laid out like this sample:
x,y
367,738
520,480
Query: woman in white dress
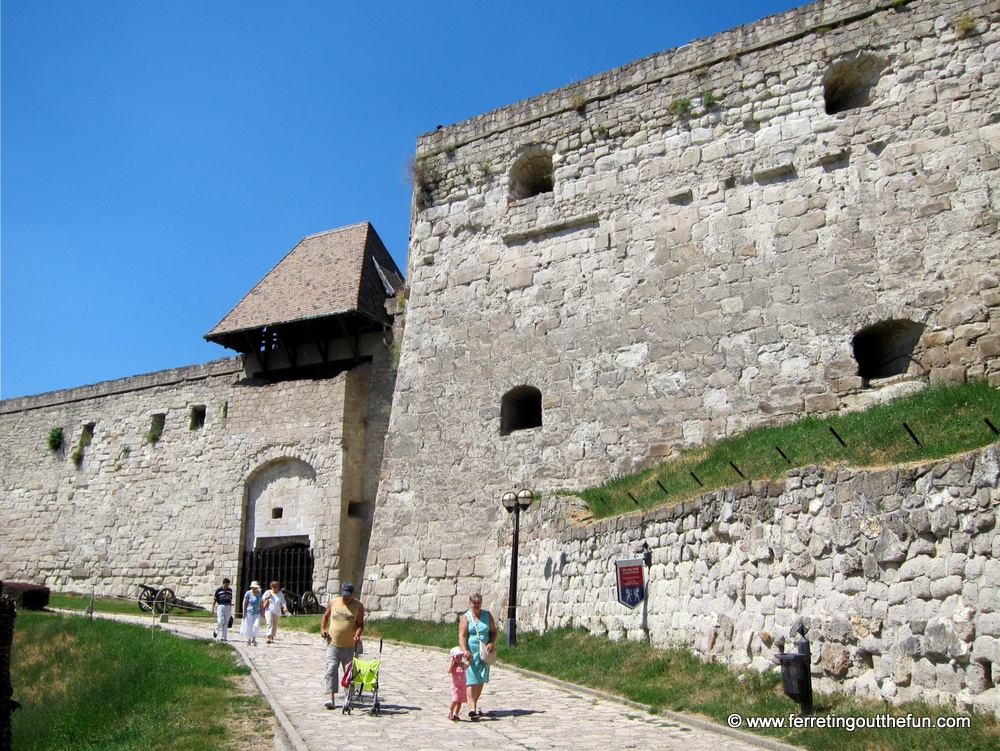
x,y
250,626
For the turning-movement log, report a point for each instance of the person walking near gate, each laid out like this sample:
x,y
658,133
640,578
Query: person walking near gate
x,y
274,605
251,614
222,606
342,625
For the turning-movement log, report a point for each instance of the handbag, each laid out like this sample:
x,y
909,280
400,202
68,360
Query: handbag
x,y
359,648
230,622
486,655
348,674
490,658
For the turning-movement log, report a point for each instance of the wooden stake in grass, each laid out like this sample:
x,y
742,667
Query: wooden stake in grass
x,y
737,470
633,498
662,488
700,483
839,439
991,426
778,449
914,437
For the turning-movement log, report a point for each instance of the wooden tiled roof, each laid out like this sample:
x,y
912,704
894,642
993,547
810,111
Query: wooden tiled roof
x,y
346,270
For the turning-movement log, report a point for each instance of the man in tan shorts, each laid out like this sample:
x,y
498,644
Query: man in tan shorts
x,y
342,625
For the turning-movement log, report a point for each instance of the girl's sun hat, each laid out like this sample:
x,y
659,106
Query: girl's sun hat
x,y
456,651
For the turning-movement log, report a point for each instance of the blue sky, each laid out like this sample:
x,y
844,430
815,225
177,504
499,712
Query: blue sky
x,y
157,158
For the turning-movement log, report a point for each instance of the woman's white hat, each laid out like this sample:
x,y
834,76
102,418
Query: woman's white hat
x,y
254,585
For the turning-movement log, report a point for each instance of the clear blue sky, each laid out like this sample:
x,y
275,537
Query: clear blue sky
x,y
157,158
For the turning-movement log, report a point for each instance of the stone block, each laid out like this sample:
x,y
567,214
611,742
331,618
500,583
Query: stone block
x,y
835,660
519,280
949,585
889,548
988,624
984,649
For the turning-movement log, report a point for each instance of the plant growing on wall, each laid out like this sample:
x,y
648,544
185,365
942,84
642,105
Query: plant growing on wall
x,y
86,436
156,425
681,107
425,181
55,439
708,99
964,26
123,454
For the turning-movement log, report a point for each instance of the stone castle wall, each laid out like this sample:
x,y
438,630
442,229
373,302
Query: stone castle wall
x,y
712,242
665,254
894,574
180,511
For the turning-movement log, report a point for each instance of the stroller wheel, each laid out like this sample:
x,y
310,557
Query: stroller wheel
x,y
376,709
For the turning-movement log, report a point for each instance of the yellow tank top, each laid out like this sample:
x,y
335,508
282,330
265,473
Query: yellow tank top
x,y
343,622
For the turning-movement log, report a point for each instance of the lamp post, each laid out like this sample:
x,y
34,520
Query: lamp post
x,y
514,502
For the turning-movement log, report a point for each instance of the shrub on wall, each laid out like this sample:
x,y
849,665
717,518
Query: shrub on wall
x,y
55,439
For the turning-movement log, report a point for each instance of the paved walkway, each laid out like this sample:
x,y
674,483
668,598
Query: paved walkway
x,y
522,712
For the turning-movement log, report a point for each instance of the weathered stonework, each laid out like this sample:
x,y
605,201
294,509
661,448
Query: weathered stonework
x,y
893,573
680,249
795,216
179,512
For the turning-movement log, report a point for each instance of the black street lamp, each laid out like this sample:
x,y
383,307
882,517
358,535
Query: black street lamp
x,y
514,502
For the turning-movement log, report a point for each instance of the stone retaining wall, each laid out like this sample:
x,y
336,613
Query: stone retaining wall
x,y
894,573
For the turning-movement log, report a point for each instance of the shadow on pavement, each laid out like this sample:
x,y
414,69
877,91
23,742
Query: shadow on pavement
x,y
388,709
497,714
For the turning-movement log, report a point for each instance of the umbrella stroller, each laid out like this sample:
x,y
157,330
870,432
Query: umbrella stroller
x,y
364,677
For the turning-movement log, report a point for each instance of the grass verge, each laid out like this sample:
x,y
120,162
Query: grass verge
x,y
935,422
98,684
124,605
677,680
187,686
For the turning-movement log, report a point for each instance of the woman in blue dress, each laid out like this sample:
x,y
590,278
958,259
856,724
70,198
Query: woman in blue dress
x,y
251,614
476,627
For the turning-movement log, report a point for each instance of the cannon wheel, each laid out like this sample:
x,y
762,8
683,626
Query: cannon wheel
x,y
310,603
146,599
165,600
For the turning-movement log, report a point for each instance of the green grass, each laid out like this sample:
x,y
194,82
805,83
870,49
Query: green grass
x,y
66,669
98,684
677,680
125,605
944,419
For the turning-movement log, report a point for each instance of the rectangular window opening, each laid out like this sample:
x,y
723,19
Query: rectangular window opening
x,y
197,417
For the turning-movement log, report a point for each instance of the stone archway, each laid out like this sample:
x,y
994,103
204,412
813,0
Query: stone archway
x,y
282,506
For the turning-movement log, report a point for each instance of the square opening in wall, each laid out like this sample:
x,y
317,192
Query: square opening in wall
x,y
197,417
277,512
156,424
